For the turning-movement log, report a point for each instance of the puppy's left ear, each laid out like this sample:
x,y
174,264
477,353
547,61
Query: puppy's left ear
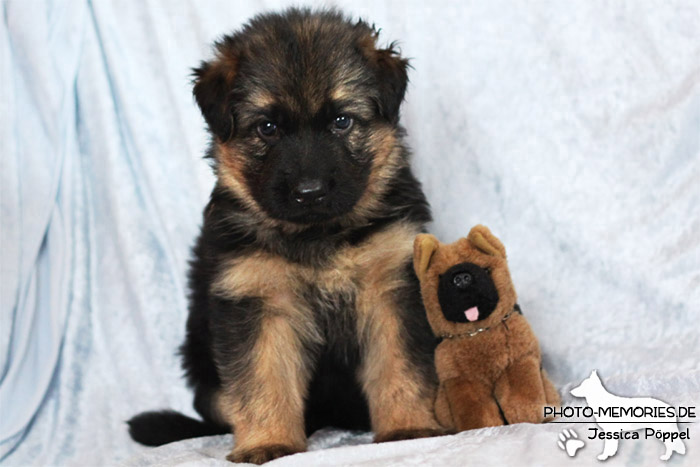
x,y
390,70
483,240
213,82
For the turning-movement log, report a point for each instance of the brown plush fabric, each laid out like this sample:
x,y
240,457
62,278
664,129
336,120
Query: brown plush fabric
x,y
494,376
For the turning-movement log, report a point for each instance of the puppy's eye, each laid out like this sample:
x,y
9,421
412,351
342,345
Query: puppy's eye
x,y
267,129
342,123
488,271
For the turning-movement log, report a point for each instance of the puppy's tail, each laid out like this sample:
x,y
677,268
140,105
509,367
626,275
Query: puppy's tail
x,y
167,426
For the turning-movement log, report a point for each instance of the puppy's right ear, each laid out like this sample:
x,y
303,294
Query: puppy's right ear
x,y
423,248
213,82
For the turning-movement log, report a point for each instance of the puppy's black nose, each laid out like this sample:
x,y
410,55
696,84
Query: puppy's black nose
x,y
309,191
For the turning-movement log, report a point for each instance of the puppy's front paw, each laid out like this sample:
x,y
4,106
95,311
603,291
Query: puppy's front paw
x,y
413,433
262,454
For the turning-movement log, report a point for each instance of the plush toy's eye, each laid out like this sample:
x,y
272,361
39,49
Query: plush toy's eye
x,y
488,271
342,123
462,280
267,129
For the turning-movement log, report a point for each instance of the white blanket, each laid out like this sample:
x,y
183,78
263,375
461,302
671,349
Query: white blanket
x,y
571,129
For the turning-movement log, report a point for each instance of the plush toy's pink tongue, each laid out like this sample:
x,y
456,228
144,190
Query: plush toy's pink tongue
x,y
472,313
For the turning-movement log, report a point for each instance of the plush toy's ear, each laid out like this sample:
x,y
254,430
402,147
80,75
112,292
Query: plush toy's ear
x,y
390,70
423,248
213,82
483,240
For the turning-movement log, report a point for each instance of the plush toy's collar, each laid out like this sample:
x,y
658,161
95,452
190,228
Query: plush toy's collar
x,y
516,309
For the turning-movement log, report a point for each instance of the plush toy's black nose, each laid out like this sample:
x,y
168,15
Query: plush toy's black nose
x,y
309,191
462,280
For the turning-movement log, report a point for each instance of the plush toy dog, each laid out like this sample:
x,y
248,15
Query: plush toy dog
x,y
488,361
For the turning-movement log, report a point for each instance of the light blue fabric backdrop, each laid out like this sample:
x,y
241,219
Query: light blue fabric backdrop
x,y
572,129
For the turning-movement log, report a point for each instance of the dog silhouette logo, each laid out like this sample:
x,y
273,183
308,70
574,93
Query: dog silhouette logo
x,y
620,417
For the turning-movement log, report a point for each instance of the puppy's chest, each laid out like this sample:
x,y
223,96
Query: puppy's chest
x,y
331,303
345,275
336,284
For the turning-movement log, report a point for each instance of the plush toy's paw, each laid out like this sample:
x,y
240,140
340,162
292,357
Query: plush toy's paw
x,y
262,454
523,412
550,393
398,435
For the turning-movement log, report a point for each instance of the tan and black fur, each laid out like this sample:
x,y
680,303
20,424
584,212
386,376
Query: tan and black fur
x,y
489,366
304,311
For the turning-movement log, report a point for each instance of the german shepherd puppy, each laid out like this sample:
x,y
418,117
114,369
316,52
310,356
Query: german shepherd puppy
x,y
304,310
